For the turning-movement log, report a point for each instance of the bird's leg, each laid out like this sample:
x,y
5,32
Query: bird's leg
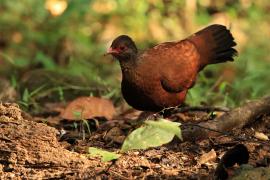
x,y
164,113
167,112
154,116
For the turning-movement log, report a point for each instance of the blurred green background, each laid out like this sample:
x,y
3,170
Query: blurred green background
x,y
52,50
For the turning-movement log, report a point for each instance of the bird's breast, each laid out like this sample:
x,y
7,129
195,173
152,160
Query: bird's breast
x,y
138,89
142,89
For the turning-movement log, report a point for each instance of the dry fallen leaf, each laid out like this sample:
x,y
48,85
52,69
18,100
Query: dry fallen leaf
x,y
170,172
116,135
210,156
87,108
261,136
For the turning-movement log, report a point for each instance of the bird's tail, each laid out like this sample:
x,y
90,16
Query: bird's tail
x,y
215,44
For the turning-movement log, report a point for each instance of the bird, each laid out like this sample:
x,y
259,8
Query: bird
x,y
160,77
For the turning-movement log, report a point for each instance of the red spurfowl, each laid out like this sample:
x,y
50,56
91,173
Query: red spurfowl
x,y
160,76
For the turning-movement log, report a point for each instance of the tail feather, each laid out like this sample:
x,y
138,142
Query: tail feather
x,y
215,44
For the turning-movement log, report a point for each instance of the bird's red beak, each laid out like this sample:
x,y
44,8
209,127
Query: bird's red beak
x,y
111,51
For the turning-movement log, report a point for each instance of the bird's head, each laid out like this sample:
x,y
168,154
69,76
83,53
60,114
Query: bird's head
x,y
122,48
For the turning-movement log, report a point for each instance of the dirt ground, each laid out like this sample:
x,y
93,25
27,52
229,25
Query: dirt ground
x,y
31,148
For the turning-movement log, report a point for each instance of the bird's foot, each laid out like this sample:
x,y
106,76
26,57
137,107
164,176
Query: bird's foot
x,y
154,116
148,115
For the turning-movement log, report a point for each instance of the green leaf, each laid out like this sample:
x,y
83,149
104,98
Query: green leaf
x,y
37,90
152,134
169,126
105,155
26,95
46,61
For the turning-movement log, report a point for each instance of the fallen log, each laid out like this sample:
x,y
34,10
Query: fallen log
x,y
236,118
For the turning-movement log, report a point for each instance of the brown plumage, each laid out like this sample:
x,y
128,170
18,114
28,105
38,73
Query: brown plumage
x,y
160,76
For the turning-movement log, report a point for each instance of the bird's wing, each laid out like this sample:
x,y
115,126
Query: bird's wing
x,y
178,64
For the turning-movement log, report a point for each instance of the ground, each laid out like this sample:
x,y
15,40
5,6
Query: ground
x,y
34,149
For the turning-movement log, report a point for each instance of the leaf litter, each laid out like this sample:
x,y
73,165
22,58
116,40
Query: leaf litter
x,y
174,160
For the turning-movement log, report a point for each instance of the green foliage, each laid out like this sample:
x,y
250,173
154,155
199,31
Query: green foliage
x,y
152,134
46,61
27,96
83,124
105,155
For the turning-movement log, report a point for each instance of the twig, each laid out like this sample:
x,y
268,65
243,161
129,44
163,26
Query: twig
x,y
202,108
227,134
107,169
119,175
181,109
207,128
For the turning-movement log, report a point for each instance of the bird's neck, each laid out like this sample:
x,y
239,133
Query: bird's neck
x,y
128,65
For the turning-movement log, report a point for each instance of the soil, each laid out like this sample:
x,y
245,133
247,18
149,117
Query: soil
x,y
31,148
